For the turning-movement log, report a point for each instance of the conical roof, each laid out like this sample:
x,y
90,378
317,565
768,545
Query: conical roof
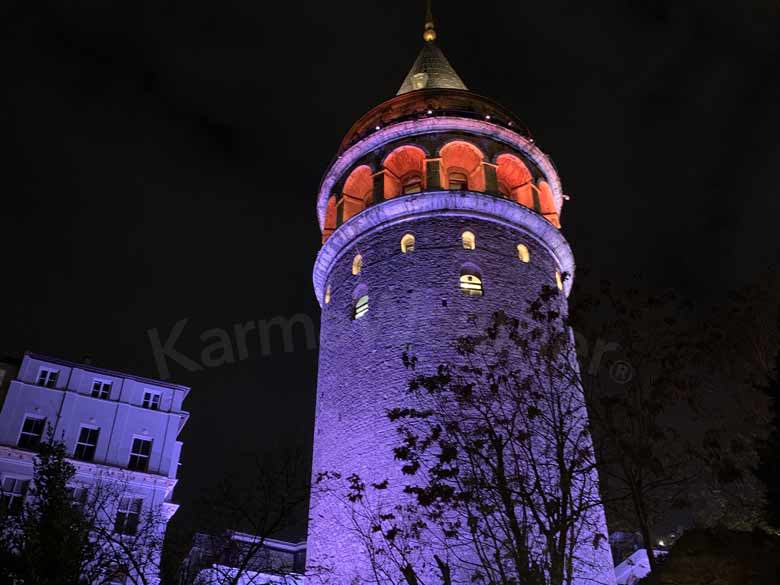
x,y
431,70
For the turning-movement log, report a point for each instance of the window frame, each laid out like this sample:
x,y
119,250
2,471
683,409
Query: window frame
x,y
128,513
103,384
470,288
139,456
23,433
523,253
468,240
406,240
50,379
85,447
12,501
152,404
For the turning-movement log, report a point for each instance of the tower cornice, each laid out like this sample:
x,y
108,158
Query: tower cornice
x,y
441,204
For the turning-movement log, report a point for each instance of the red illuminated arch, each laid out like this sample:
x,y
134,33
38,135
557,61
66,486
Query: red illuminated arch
x,y
514,180
547,204
358,192
330,218
463,158
404,171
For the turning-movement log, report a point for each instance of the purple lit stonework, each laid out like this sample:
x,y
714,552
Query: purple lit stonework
x,y
444,161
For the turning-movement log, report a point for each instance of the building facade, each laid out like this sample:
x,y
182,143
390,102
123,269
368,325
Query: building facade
x,y
438,206
121,434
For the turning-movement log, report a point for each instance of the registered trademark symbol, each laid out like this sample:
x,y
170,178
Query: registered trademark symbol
x,y
621,372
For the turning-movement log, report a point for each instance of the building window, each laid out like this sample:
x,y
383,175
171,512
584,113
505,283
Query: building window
x,y
523,253
407,243
12,494
357,264
87,443
469,240
101,389
127,516
151,400
48,377
32,431
471,284
411,184
559,280
361,307
327,295
458,181
139,454
78,497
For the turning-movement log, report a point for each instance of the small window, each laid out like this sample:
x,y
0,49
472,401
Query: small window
x,y
48,377
12,494
471,284
327,295
559,280
78,496
458,181
127,516
87,443
411,184
523,253
151,400
407,243
357,264
139,454
361,306
469,240
32,431
101,389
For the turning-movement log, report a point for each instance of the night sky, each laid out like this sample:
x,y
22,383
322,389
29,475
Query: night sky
x,y
162,161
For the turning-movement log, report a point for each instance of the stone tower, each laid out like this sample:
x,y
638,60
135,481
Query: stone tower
x,y
437,206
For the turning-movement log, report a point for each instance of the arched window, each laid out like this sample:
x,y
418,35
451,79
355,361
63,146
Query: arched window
x,y
559,280
404,171
514,179
471,280
357,192
361,306
547,204
523,253
357,264
330,218
457,181
461,166
407,243
327,295
469,240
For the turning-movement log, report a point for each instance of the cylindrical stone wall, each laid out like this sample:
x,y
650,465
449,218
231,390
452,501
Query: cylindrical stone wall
x,y
415,305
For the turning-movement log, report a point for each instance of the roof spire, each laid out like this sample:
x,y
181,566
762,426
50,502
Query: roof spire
x,y
429,32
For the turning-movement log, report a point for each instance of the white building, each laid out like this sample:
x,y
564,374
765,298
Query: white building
x,y
120,431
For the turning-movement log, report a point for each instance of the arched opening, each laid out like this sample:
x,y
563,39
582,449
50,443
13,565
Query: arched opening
x,y
523,253
558,280
471,280
547,204
404,171
357,192
327,295
461,165
330,218
357,264
360,301
469,240
407,243
514,180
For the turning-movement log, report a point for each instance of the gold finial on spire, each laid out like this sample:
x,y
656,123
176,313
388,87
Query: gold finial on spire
x,y
429,33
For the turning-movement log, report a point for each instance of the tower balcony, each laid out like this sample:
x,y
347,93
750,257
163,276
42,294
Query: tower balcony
x,y
446,150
